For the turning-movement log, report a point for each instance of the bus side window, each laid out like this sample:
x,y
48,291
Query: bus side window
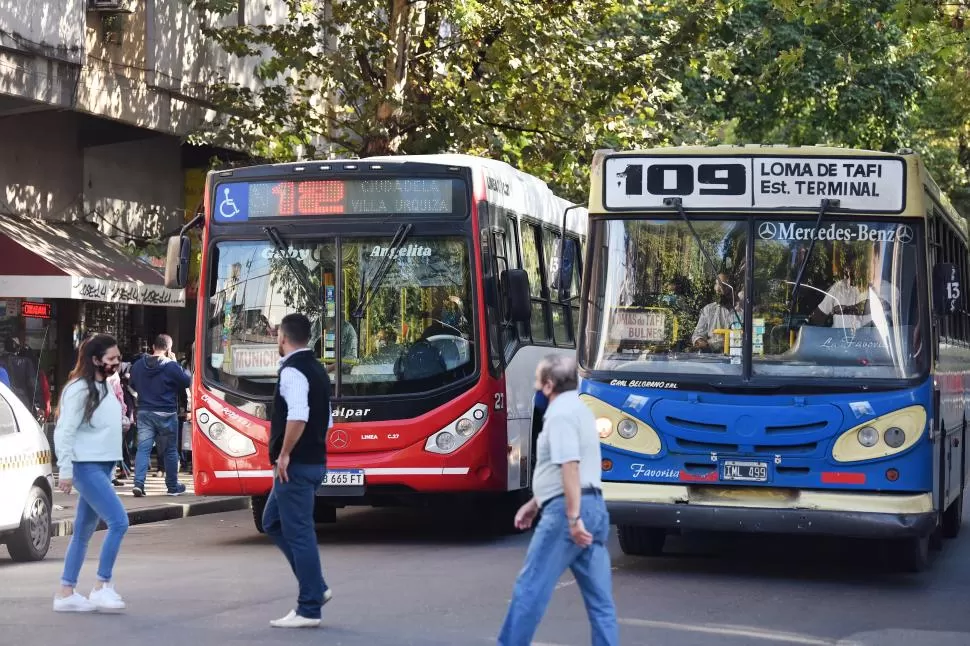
x,y
562,330
538,331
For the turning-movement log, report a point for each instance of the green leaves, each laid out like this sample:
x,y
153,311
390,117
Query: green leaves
x,y
543,84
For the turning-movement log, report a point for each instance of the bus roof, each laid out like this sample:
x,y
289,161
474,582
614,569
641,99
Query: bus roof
x,y
508,187
774,178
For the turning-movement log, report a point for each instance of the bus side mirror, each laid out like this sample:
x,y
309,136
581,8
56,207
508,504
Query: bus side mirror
x,y
564,282
947,290
177,262
518,295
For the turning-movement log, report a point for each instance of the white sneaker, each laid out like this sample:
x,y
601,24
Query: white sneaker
x,y
294,620
74,603
327,596
106,599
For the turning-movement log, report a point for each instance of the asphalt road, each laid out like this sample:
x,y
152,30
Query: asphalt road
x,y
400,577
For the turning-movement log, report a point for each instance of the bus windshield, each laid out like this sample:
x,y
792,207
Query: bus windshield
x,y
657,306
415,333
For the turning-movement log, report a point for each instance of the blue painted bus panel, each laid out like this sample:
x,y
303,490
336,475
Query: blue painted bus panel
x,y
792,435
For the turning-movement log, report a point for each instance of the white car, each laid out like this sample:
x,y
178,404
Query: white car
x,y
26,481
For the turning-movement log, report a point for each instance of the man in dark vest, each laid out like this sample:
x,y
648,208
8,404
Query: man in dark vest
x,y
298,449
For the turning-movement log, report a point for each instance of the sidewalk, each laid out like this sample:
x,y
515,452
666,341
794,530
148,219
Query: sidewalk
x,y
155,506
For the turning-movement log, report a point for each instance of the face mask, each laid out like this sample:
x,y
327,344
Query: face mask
x,y
450,319
541,401
670,299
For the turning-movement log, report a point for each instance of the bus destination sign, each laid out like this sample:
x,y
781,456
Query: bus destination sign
x,y
869,184
243,201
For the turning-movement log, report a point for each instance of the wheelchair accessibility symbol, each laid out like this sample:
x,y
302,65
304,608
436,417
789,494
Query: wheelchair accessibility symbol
x,y
227,207
232,202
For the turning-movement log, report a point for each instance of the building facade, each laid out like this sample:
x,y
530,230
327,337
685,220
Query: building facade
x,y
97,98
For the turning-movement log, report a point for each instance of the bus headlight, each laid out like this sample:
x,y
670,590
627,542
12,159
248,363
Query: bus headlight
x,y
886,435
894,436
632,434
868,436
604,426
227,439
453,436
627,429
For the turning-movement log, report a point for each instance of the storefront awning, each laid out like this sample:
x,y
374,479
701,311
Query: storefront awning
x,y
41,259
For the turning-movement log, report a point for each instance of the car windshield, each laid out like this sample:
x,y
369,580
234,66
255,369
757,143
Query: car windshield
x,y
656,305
413,333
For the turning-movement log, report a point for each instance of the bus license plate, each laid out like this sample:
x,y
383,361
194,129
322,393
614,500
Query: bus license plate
x,y
353,478
744,471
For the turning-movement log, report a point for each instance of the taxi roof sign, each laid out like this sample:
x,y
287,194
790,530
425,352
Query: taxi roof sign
x,y
873,184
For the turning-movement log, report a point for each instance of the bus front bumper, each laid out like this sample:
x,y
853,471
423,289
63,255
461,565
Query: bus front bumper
x,y
779,511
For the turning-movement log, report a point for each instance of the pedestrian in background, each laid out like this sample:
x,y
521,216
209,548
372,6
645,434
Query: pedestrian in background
x,y
298,449
157,379
86,440
574,527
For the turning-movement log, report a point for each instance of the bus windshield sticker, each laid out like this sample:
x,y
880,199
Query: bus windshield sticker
x,y
861,409
873,184
636,402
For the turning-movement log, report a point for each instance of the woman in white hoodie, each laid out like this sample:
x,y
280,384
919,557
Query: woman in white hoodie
x,y
87,443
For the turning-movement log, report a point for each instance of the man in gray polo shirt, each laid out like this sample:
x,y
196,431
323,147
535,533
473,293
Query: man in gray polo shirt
x,y
575,525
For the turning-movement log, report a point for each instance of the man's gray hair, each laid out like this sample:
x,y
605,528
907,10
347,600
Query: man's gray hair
x,y
559,370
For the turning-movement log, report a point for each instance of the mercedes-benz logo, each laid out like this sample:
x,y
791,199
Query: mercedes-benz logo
x,y
767,230
339,439
904,233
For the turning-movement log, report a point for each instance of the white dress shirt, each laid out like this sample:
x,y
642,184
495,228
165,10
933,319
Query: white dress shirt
x,y
295,391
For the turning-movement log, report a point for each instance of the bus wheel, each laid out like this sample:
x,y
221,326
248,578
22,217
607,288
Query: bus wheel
x,y
913,554
641,541
953,518
258,504
324,513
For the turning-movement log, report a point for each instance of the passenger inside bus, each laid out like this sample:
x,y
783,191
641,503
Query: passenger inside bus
x,y
862,296
725,310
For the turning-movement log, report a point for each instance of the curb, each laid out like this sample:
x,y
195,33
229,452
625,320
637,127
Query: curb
x,y
163,512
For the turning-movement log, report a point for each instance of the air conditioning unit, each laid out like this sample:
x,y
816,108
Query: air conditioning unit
x,y
115,6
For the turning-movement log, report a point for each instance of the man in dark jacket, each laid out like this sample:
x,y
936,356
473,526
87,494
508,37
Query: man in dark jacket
x,y
298,452
157,379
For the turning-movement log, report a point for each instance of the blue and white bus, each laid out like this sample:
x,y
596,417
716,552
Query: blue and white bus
x,y
774,340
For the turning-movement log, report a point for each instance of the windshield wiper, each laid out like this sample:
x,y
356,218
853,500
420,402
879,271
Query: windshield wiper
x,y
298,270
400,236
824,206
678,204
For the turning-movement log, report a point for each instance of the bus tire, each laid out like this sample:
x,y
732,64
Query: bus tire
x,y
953,518
641,541
258,504
32,539
913,554
324,513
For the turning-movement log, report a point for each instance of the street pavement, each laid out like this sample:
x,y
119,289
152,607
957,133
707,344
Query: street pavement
x,y
405,577
155,506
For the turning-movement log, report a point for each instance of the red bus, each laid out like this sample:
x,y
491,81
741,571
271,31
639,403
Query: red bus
x,y
430,281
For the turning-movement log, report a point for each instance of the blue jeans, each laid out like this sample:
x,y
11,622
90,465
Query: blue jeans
x,y
96,499
163,430
550,552
288,520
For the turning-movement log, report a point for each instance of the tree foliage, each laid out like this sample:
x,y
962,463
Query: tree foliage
x,y
543,84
